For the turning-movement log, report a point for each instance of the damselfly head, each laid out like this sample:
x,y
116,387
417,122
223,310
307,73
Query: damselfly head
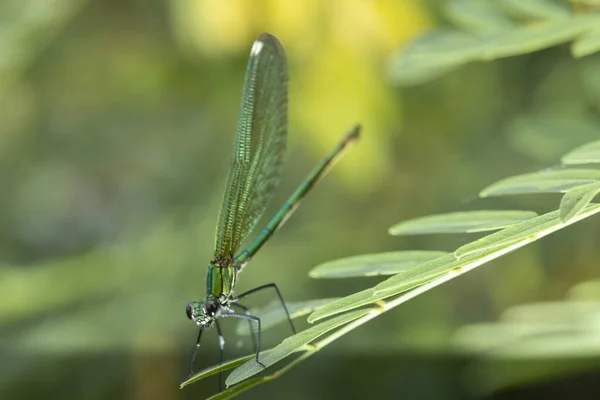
x,y
203,313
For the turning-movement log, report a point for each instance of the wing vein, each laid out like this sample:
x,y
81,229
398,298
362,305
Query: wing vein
x,y
259,148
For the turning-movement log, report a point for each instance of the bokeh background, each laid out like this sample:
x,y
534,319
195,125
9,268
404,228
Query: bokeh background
x,y
116,125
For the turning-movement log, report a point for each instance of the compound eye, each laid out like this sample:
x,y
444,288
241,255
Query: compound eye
x,y
189,311
211,307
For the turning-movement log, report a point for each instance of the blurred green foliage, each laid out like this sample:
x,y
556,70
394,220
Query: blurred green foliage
x,y
115,131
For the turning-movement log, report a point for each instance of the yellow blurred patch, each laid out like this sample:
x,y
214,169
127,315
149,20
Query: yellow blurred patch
x,y
337,51
334,90
212,27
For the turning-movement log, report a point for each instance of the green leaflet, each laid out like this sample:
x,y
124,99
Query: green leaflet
x,y
551,181
273,313
215,369
388,263
289,346
586,154
461,222
576,200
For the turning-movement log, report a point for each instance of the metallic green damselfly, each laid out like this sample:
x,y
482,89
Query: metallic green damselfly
x,y
255,171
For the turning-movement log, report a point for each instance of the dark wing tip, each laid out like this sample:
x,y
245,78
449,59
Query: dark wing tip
x,y
267,36
354,132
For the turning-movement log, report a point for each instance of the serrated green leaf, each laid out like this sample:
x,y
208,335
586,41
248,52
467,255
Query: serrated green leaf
x,y
589,153
274,313
525,232
542,9
289,346
551,181
373,264
215,369
461,222
586,44
477,16
577,199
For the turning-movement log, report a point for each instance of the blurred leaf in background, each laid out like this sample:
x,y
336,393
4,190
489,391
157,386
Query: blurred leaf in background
x,y
535,342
